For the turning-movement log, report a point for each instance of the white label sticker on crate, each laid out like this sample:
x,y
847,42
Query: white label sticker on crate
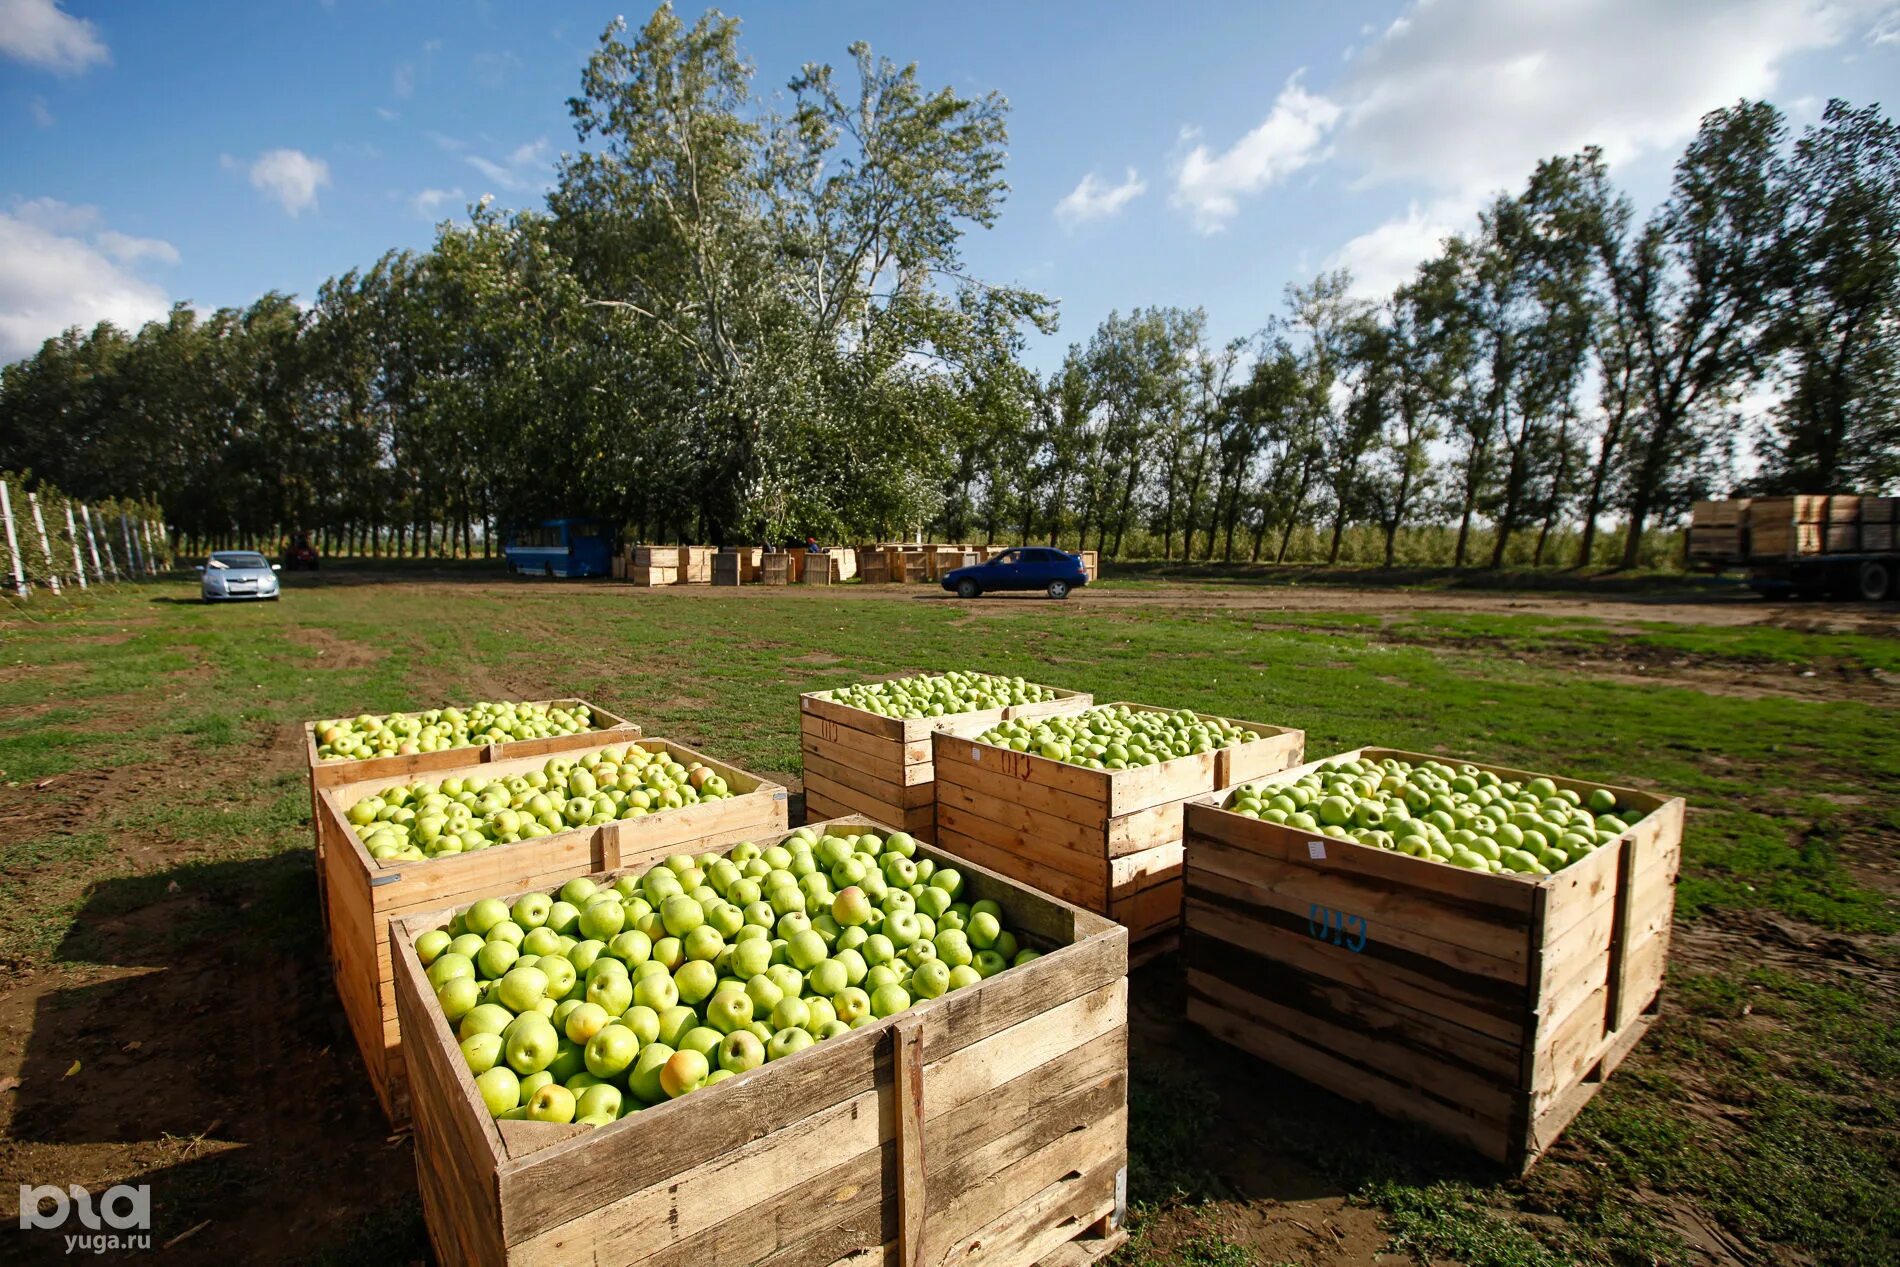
x,y
1316,850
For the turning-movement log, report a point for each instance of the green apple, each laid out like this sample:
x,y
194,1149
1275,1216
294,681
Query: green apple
x,y
740,1051
531,1043
656,991
851,907
541,941
560,974
551,1103
531,910
902,928
522,989
694,982
751,957
931,979
806,950
889,1000
729,1010
485,1018
448,966
791,1013
431,944
500,1089
602,921
787,1041
681,915
457,997
989,963
674,1022
703,1039
484,915
965,975
481,1051
610,1050
828,976
602,1100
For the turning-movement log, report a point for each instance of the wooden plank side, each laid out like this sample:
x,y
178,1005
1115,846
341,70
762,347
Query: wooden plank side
x,y
1025,820
997,783
854,775
846,738
821,803
1088,894
1228,1021
907,1123
1479,1004
1030,844
1403,914
853,801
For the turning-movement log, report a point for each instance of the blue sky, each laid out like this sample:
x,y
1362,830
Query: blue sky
x,y
1203,154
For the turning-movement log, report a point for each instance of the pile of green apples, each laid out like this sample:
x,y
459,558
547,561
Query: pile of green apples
x,y
939,695
1116,737
594,1002
1461,816
365,736
470,812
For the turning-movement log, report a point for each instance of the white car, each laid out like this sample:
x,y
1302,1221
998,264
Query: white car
x,y
230,575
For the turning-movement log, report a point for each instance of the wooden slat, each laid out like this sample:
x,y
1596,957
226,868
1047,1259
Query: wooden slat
x,y
861,779
907,1095
842,798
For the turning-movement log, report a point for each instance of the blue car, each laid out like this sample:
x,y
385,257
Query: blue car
x,y
1056,572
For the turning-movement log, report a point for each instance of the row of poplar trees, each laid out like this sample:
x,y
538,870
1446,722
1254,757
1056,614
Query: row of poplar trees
x,y
733,321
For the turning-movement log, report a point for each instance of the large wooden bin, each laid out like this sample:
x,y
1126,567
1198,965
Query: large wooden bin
x,y
336,771
1487,1007
859,762
362,895
1108,840
985,1128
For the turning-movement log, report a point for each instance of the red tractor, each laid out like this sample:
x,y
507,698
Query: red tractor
x,y
300,555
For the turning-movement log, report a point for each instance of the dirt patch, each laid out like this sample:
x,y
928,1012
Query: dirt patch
x,y
329,651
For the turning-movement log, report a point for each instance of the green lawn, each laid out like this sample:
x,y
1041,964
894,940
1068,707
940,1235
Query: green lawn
x,y
174,831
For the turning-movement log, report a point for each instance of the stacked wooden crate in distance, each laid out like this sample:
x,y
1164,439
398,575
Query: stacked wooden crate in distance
x,y
1091,564
736,567
655,565
1108,840
1487,1007
777,569
984,1128
860,762
695,565
1715,529
362,894
820,569
874,566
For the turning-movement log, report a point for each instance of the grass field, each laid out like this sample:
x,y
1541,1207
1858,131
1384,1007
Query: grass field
x,y
166,1018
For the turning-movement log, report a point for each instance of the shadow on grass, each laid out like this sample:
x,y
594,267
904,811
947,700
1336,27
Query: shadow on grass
x,y
209,1057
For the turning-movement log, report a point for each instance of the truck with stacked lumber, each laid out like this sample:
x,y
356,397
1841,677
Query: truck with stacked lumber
x,y
1839,545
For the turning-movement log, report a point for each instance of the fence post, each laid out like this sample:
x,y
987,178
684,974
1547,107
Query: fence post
x,y
72,535
151,560
131,551
39,524
13,542
93,531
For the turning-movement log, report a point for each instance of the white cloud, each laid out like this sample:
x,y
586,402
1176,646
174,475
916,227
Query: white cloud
x,y
1467,97
42,34
402,81
292,177
41,112
1293,134
1095,199
52,276
125,248
1458,101
1383,257
387,115
1886,28
525,168
430,201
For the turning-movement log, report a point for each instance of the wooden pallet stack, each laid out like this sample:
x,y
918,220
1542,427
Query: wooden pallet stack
x,y
363,895
874,566
858,762
984,1128
655,565
1108,840
695,565
1486,1007
1091,564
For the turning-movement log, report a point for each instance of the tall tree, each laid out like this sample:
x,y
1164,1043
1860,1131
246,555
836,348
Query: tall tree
x,y
1697,289
1836,324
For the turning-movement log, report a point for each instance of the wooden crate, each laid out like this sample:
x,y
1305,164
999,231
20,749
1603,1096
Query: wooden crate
x,y
619,567
874,567
1842,538
695,565
949,559
776,569
820,569
859,762
651,575
362,895
1091,564
1108,840
985,1128
916,567
1718,514
1486,1007
1876,537
1714,543
728,569
1879,510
